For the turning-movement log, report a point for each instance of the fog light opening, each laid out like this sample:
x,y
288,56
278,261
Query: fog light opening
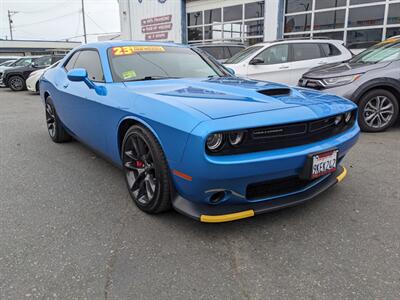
x,y
217,197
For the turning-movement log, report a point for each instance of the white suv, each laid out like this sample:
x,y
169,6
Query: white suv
x,y
286,61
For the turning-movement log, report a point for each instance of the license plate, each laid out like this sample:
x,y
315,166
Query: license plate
x,y
324,163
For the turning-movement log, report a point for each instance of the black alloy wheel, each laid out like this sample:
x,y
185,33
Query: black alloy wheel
x,y
146,170
55,128
16,83
379,110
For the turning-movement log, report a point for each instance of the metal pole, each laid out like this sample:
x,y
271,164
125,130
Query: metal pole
x,y
84,24
10,24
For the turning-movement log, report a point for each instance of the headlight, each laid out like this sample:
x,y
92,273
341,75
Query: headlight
x,y
235,138
343,80
214,141
347,117
338,119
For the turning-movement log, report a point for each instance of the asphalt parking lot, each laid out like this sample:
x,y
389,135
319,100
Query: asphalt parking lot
x,y
68,229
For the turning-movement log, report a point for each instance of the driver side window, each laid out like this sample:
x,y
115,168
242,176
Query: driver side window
x,y
90,60
274,55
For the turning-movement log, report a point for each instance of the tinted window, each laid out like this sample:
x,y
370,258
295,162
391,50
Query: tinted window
x,y
330,50
90,60
23,62
165,62
254,10
329,20
212,15
70,64
242,55
233,50
56,59
275,55
366,16
394,13
319,4
298,23
195,18
233,13
216,52
306,51
297,6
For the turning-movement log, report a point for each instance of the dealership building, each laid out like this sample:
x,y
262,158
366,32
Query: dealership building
x,y
359,23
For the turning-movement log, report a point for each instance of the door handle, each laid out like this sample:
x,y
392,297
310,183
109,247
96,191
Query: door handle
x,y
283,67
65,85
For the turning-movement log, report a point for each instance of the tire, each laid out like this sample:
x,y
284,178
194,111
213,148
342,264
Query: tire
x,y
16,83
378,110
55,128
146,170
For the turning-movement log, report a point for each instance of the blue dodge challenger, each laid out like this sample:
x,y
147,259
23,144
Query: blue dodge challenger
x,y
189,134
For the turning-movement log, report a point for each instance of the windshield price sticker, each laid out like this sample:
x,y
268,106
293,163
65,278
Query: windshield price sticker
x,y
129,50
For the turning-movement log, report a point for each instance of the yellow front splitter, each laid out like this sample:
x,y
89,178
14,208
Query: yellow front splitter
x,y
249,213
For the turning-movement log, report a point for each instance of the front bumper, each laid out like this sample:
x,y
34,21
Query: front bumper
x,y
208,213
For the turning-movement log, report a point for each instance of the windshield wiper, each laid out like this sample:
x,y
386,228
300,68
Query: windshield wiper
x,y
153,78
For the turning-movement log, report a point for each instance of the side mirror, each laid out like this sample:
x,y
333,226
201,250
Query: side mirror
x,y
34,65
256,61
82,75
77,75
230,70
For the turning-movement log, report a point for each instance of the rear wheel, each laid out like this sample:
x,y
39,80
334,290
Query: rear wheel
x,y
55,128
146,170
378,110
16,83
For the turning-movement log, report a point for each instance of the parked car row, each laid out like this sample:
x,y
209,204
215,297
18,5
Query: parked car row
x,y
371,79
15,75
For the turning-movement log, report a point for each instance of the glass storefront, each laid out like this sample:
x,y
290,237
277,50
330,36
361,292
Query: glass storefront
x,y
359,23
243,23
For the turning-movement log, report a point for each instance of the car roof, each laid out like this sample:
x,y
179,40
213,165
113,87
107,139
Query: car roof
x,y
293,41
218,45
107,44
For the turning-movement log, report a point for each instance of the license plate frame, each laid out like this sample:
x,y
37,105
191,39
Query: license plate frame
x,y
316,158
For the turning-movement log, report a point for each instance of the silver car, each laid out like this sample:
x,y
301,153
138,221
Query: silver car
x,y
371,79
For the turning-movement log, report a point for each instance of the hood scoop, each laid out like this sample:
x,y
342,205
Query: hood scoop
x,y
275,92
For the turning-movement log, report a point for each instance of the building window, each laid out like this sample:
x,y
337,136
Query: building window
x,y
233,13
366,16
392,32
329,19
365,19
212,16
242,23
195,33
195,18
321,4
298,23
254,10
394,13
293,6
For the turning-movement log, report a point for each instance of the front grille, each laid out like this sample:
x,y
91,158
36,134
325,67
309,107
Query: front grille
x,y
276,187
287,135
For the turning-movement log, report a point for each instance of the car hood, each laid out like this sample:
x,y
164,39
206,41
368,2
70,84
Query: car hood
x,y
342,69
232,96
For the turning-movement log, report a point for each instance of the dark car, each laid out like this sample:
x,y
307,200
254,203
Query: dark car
x,y
221,51
371,79
15,78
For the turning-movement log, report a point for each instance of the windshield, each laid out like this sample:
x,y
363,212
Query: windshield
x,y
22,62
134,63
385,51
7,63
242,55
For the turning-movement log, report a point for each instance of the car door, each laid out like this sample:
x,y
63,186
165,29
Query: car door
x,y
81,105
272,64
305,56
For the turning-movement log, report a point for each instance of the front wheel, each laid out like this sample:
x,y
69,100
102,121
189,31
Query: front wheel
x,y
146,170
55,128
16,83
378,110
